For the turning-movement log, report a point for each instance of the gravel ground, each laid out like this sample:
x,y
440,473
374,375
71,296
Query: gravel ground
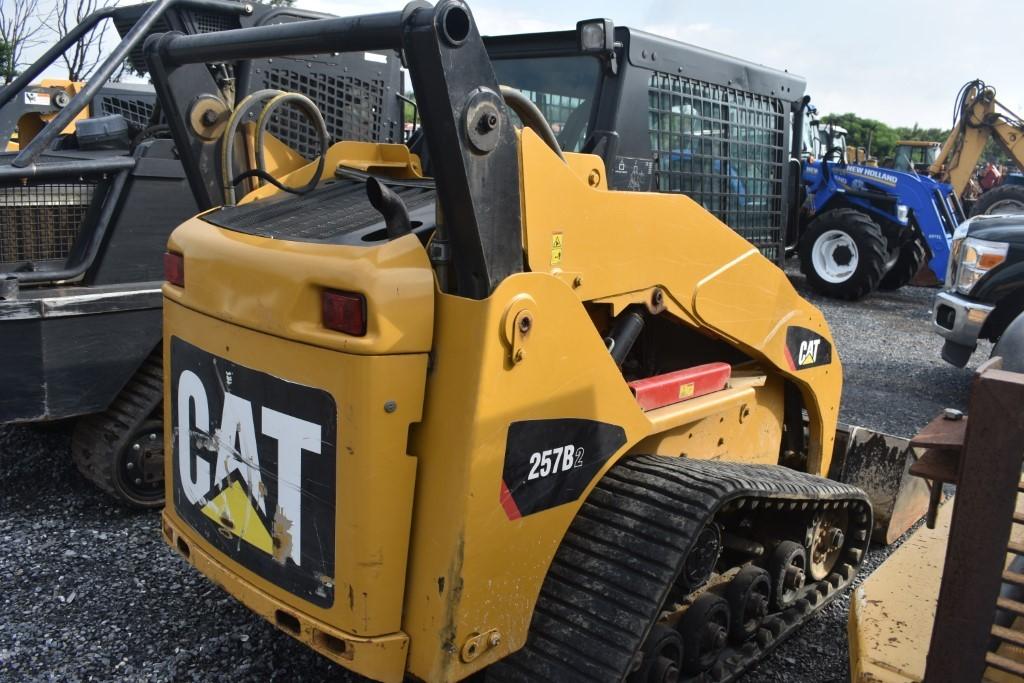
x,y
90,592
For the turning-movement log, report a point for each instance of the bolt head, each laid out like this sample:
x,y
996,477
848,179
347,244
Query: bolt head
x,y
495,639
130,466
794,577
718,636
390,406
136,446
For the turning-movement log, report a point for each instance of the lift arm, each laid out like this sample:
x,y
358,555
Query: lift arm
x,y
980,116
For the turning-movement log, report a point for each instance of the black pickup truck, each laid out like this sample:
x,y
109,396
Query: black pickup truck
x,y
983,297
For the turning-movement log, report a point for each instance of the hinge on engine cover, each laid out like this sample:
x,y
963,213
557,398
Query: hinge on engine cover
x,y
478,643
517,324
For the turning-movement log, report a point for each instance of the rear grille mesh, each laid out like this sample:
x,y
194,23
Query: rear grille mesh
x,y
353,109
724,148
212,22
137,112
333,212
41,222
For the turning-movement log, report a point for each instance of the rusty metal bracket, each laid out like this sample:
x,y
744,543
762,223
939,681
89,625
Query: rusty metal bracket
x,y
478,643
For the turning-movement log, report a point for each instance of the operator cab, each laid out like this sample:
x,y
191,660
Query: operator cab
x,y
915,155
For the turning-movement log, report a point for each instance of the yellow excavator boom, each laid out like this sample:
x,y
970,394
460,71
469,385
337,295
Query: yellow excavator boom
x,y
981,117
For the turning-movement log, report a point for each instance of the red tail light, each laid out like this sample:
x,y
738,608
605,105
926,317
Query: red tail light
x,y
344,312
174,268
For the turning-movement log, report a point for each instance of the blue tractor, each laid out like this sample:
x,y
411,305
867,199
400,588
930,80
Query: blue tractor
x,y
865,228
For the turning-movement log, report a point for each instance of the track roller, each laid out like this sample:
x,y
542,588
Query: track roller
x,y
662,656
748,595
788,569
705,631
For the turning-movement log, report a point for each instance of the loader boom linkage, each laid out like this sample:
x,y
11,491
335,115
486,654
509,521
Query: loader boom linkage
x,y
465,120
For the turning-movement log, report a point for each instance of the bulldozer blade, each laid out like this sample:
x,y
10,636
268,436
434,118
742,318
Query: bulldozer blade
x,y
879,464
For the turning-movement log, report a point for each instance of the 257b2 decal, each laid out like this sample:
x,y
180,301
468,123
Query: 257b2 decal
x,y
551,462
554,460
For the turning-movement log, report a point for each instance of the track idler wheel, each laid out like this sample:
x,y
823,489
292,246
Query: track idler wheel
x,y
748,595
788,570
662,656
700,562
705,631
827,539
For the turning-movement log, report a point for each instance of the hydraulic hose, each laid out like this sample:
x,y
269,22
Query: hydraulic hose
x,y
307,106
531,116
278,98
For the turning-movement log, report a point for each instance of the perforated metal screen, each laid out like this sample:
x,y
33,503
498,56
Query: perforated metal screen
x,y
725,149
41,221
353,108
136,112
212,22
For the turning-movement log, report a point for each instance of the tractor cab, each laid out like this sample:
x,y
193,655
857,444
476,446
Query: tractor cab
x,y
915,155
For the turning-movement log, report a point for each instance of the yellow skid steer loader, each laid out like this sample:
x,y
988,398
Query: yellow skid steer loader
x,y
497,421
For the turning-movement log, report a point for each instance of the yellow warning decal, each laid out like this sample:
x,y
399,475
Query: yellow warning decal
x,y
232,509
556,248
686,390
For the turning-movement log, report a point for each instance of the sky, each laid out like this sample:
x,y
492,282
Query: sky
x,y
898,61
865,61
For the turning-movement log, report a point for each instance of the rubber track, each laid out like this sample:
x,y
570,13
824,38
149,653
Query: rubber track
x,y
97,437
612,573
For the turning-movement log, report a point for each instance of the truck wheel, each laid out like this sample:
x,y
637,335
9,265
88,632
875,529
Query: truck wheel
x,y
1003,199
911,257
843,254
1011,345
121,449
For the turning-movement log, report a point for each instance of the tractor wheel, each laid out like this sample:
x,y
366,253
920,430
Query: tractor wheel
x,y
843,254
911,257
1003,199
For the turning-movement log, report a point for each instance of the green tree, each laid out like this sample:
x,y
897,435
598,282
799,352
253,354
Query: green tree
x,y
6,55
877,136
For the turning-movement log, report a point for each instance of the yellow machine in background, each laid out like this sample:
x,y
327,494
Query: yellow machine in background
x,y
41,104
982,117
915,155
500,420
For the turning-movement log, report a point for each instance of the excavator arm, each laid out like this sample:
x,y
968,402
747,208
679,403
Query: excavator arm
x,y
980,117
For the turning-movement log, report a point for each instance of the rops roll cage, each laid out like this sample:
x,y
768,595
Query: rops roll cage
x,y
28,156
466,124
24,165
